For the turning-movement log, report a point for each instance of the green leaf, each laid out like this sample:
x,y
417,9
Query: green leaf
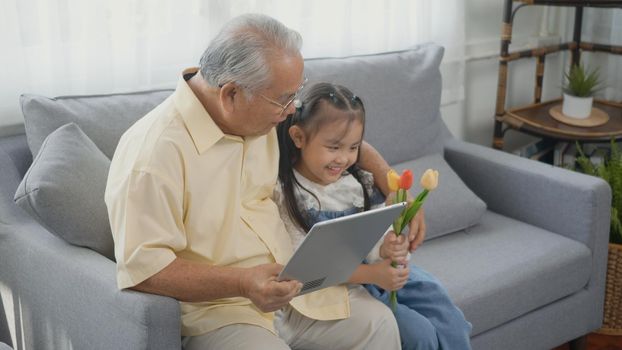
x,y
412,210
610,171
615,235
582,82
422,195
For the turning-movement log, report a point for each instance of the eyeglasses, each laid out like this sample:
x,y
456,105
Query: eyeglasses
x,y
289,102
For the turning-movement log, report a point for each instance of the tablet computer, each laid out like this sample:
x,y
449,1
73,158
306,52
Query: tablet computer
x,y
332,249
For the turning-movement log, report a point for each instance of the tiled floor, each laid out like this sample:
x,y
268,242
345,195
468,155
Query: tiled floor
x,y
600,342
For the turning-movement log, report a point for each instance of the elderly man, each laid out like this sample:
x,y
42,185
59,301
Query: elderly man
x,y
188,196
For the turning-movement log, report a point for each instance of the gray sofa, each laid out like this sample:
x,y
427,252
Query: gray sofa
x,y
521,246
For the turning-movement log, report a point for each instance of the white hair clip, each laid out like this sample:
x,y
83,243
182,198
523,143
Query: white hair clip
x,y
297,103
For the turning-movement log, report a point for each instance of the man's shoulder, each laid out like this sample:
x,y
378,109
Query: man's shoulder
x,y
160,133
162,119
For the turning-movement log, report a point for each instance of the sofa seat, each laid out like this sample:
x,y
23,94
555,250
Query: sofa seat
x,y
502,268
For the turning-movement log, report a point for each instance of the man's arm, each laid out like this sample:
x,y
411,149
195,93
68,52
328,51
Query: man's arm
x,y
194,282
371,160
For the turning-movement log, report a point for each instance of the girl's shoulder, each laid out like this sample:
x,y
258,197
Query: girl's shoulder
x,y
376,197
366,177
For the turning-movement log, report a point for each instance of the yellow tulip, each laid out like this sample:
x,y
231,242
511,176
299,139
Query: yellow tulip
x,y
429,179
393,178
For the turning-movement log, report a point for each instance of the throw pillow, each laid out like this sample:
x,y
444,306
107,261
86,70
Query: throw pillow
x,y
452,206
64,190
103,118
401,92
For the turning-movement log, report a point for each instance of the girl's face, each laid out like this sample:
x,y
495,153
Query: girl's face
x,y
331,150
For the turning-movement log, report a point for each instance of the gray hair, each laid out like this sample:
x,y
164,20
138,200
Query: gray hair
x,y
241,51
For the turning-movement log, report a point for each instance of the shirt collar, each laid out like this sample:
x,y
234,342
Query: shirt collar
x,y
204,132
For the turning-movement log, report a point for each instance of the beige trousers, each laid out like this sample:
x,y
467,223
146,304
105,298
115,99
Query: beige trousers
x,y
371,325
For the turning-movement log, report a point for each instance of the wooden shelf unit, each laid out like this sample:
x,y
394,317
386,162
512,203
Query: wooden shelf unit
x,y
534,119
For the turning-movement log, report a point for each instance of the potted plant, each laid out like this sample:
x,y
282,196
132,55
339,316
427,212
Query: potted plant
x,y
611,171
581,84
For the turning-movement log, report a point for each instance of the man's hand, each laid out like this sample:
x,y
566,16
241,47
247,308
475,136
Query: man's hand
x,y
416,230
259,284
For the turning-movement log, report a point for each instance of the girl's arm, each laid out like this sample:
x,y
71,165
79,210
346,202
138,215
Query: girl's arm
x,y
381,274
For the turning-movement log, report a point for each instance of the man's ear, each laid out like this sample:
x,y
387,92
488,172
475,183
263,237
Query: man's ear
x,y
228,93
297,135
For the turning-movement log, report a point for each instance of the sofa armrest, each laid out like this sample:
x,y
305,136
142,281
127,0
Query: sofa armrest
x,y
568,203
59,296
559,200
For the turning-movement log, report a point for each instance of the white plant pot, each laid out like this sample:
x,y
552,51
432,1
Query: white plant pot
x,y
577,107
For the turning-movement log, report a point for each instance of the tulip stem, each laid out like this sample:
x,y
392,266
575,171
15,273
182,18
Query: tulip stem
x,y
398,225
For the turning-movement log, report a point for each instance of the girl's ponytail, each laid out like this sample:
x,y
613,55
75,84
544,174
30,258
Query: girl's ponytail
x,y
289,154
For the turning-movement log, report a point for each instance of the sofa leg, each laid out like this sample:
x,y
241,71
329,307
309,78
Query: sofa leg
x,y
578,343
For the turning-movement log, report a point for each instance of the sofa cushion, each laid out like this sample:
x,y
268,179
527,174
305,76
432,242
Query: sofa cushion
x,y
452,206
103,118
64,190
401,92
502,269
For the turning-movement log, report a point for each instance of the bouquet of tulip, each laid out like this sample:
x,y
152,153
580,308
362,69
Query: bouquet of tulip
x,y
400,185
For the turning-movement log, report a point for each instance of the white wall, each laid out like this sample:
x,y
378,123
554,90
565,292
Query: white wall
x,y
471,117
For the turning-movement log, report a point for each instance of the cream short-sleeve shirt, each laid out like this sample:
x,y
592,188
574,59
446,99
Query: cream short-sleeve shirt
x,y
179,187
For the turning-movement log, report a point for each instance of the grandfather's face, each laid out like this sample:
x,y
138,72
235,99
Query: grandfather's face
x,y
264,110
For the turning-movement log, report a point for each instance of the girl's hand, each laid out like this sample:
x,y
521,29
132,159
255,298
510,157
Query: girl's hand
x,y
416,226
388,277
395,248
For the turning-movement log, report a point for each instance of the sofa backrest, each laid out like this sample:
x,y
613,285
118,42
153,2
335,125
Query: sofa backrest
x,y
15,148
401,92
103,118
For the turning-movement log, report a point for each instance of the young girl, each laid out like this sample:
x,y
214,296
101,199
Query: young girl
x,y
319,180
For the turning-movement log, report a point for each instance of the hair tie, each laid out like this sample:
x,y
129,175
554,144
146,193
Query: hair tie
x,y
297,103
354,97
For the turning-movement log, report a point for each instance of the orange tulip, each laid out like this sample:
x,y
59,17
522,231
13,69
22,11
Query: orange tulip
x,y
406,180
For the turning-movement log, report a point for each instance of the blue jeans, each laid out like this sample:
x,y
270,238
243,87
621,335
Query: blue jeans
x,y
426,316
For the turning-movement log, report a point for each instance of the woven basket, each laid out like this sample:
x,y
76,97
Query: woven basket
x,y
612,320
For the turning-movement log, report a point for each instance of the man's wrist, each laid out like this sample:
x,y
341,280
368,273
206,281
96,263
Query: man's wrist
x,y
242,283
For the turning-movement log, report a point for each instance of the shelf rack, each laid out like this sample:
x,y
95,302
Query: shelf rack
x,y
534,119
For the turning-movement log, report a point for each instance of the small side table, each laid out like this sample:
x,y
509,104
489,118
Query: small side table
x,y
536,120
